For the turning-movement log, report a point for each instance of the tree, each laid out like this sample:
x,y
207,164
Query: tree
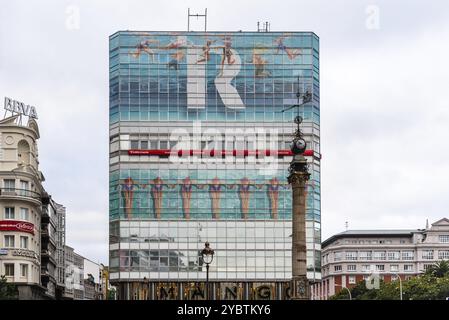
x,y
111,294
439,269
356,292
427,287
424,287
389,291
7,290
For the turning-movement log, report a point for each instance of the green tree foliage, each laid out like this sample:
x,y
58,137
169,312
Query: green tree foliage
x,y
111,295
427,287
439,269
432,285
359,292
7,290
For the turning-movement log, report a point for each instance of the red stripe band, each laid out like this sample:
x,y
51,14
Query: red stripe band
x,y
214,153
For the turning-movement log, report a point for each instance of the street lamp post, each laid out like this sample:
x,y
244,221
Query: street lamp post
x,y
400,284
146,290
208,255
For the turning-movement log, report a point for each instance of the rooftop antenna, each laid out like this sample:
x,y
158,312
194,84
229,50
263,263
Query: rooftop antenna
x,y
346,225
197,16
427,223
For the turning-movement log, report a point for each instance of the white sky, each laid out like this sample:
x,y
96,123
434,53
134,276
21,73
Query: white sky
x,y
384,99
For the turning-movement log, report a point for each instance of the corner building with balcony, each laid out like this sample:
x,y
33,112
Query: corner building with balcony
x,y
199,151
20,207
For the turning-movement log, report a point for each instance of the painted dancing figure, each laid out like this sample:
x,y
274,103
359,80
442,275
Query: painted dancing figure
x,y
128,193
175,60
206,52
157,193
273,195
215,193
144,46
244,194
259,64
292,54
186,194
227,54
179,42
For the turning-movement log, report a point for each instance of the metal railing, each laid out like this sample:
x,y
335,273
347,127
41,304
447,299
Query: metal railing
x,y
15,192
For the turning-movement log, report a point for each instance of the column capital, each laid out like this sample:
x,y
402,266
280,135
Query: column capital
x,y
298,177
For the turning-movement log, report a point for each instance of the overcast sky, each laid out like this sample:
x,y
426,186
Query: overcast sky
x,y
384,99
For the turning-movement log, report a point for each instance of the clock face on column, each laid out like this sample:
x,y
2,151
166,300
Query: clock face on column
x,y
298,146
301,144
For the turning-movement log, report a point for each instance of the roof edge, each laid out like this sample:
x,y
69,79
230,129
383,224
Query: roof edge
x,y
212,31
345,234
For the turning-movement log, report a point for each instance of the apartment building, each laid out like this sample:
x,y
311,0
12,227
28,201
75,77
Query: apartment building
x,y
354,255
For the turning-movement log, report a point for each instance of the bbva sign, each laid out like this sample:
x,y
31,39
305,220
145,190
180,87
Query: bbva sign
x,y
20,108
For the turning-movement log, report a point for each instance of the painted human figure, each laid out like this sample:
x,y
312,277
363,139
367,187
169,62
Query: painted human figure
x,y
144,46
259,64
206,52
244,194
186,194
157,193
179,42
273,195
282,47
128,193
227,54
215,194
175,60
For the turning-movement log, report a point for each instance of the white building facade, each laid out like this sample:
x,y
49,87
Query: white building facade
x,y
20,206
93,279
74,274
352,256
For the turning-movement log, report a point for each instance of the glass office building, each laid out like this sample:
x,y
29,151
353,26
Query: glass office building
x,y
199,152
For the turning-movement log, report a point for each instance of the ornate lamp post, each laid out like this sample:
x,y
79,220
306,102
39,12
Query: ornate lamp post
x,y
400,284
146,290
298,176
208,255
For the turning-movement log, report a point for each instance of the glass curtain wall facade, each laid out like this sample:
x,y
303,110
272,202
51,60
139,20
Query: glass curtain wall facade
x,y
199,152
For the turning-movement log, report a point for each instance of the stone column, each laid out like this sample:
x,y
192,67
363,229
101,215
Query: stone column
x,y
298,178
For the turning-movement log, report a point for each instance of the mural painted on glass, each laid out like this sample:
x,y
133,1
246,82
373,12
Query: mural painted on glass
x,y
156,189
214,76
